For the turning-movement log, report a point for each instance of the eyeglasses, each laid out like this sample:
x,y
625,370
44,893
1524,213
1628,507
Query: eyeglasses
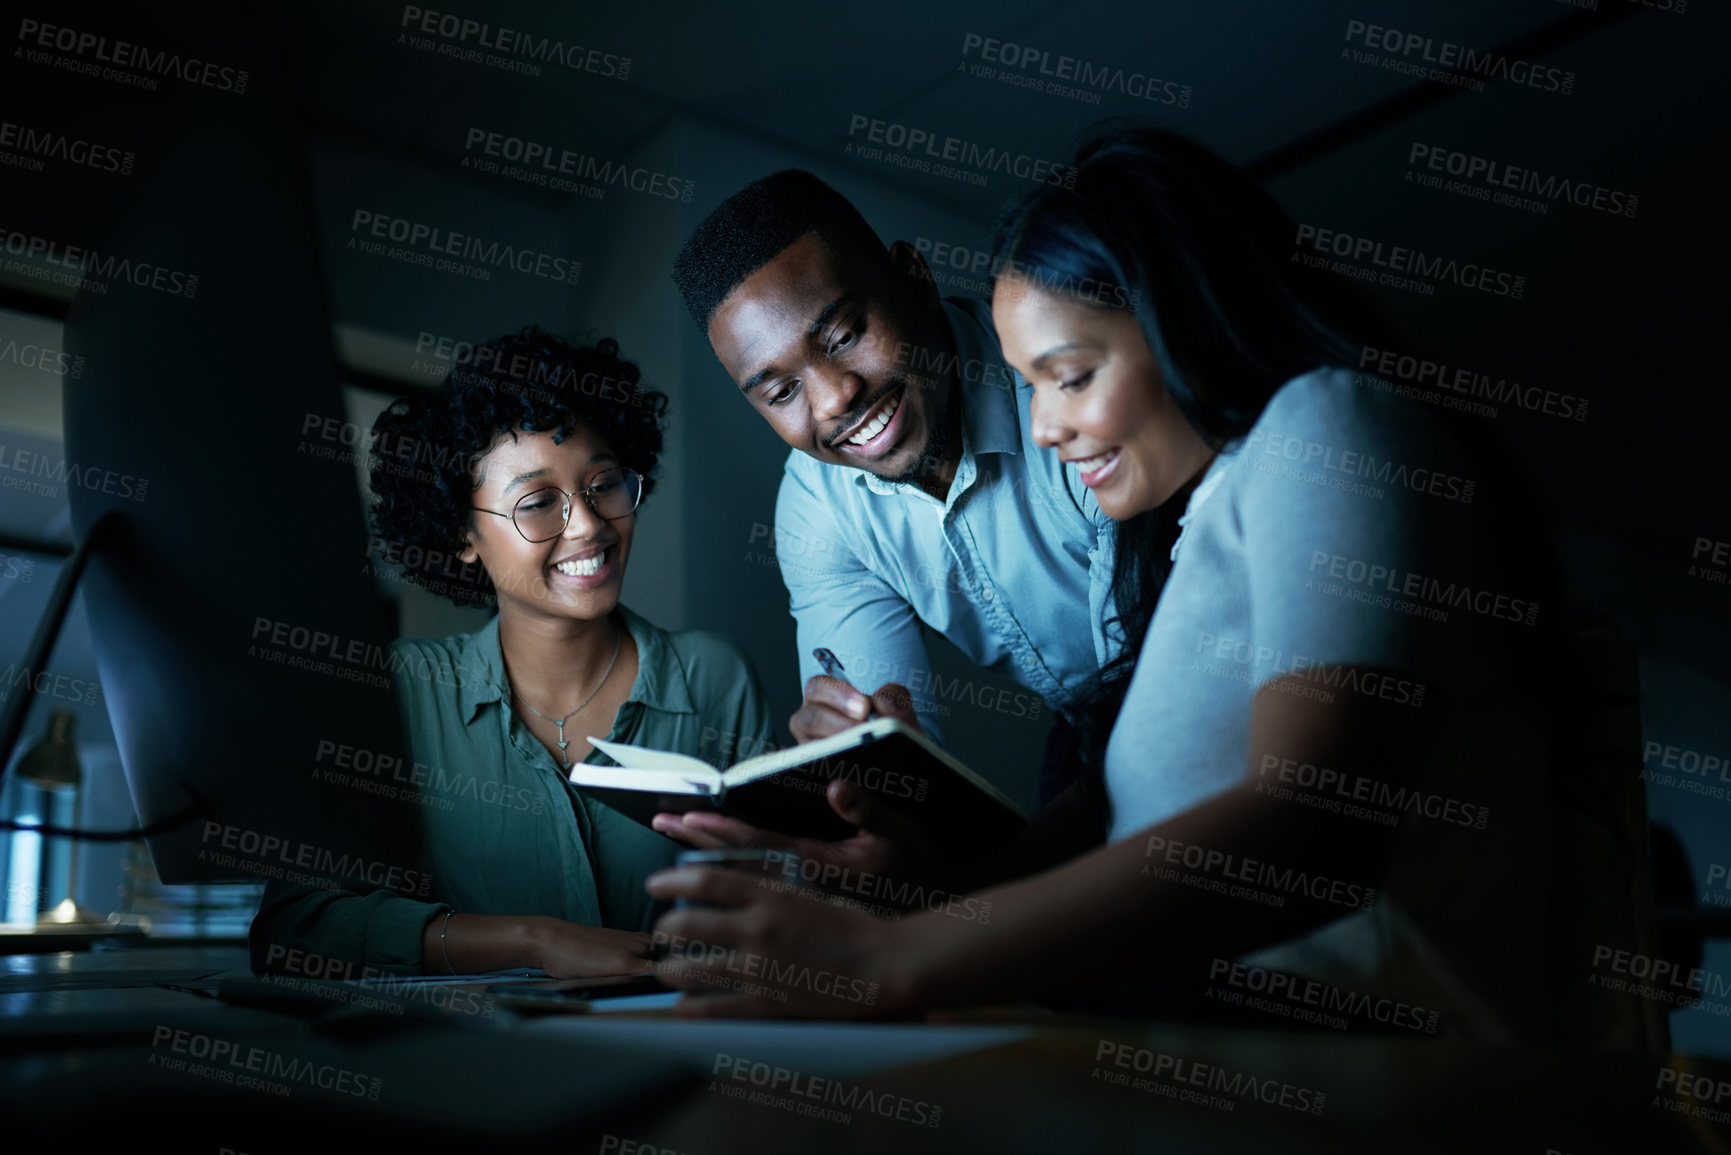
x,y
544,514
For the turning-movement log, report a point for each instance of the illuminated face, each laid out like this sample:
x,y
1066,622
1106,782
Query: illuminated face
x,y
575,574
1099,401
822,350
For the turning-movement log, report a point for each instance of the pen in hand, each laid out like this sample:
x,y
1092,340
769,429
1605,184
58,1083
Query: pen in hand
x,y
833,667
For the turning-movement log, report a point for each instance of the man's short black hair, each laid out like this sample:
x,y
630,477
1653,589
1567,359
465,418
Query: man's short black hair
x,y
750,227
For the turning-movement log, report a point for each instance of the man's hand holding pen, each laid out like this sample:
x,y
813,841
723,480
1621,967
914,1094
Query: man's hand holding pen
x,y
832,703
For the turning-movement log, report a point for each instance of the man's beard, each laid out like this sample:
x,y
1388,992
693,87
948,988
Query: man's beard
x,y
937,435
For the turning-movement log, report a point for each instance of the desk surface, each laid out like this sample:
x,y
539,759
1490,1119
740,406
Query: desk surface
x,y
1000,1080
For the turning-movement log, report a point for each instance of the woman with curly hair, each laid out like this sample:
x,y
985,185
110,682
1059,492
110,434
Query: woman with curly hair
x,y
526,468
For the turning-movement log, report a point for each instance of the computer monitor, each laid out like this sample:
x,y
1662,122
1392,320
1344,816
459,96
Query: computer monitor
x,y
240,643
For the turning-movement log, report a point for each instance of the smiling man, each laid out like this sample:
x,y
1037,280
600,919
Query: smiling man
x,y
915,492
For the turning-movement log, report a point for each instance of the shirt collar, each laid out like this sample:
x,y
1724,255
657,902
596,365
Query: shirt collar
x,y
660,683
990,420
485,664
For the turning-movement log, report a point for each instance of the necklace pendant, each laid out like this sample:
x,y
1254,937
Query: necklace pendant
x,y
563,744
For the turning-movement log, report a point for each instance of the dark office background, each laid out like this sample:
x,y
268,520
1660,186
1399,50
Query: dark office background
x,y
1625,312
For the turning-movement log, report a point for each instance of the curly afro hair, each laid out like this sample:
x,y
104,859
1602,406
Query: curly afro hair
x,y
424,448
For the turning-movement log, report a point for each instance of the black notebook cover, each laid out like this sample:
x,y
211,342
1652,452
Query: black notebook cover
x,y
896,767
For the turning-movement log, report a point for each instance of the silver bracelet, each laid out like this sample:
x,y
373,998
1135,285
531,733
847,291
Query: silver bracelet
x,y
443,927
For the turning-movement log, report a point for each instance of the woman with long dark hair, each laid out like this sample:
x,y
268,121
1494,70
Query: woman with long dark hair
x,y
1327,749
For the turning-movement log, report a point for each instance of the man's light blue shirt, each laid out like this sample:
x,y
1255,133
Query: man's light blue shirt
x,y
1014,566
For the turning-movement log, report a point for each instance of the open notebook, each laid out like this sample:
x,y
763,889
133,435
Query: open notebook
x,y
784,790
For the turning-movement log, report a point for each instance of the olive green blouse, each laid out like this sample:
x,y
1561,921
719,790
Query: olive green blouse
x,y
504,832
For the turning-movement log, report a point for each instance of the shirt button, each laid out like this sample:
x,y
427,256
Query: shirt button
x,y
1028,661
987,593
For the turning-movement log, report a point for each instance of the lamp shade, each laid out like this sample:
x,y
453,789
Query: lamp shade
x,y
52,763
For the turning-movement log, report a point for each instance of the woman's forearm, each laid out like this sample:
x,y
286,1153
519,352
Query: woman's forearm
x,y
475,943
1138,907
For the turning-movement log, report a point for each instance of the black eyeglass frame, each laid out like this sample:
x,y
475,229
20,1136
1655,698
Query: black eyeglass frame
x,y
587,493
